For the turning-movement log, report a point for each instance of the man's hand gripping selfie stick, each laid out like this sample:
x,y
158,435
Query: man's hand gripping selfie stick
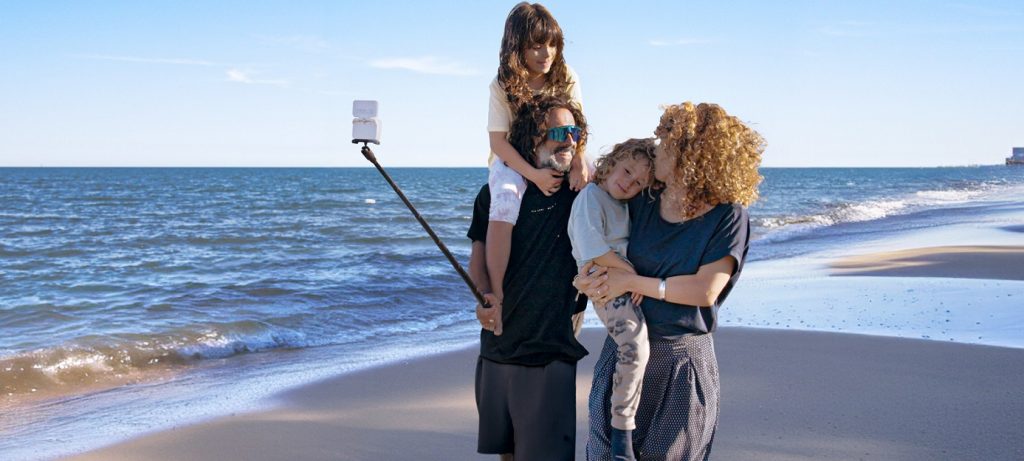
x,y
366,130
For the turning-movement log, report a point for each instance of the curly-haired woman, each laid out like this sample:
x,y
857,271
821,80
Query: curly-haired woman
x,y
687,244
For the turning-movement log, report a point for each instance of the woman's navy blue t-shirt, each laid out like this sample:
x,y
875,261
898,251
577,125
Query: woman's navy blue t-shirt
x,y
658,248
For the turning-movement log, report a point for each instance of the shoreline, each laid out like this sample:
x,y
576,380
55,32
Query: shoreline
x,y
312,421
786,395
777,298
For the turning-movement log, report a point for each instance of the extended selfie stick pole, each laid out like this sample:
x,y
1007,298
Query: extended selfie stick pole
x,y
455,264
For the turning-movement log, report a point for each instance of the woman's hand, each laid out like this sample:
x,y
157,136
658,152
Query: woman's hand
x,y
616,284
604,284
588,283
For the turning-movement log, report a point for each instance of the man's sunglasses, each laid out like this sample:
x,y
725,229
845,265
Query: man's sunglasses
x,y
559,133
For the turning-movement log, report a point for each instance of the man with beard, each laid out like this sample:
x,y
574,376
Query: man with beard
x,y
526,372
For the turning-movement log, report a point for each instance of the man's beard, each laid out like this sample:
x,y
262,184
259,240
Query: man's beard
x,y
549,161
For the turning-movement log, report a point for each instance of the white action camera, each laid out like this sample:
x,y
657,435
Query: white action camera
x,y
365,125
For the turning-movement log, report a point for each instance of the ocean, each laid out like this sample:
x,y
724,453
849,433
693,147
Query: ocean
x,y
138,299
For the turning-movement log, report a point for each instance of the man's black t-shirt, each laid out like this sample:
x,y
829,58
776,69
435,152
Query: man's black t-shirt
x,y
539,297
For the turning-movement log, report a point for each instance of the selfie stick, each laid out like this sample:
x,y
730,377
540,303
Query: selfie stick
x,y
455,264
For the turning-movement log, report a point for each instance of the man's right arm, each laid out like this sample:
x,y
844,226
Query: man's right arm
x,y
478,268
490,318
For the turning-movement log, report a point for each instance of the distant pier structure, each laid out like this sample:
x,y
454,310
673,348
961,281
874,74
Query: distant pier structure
x,y
1017,158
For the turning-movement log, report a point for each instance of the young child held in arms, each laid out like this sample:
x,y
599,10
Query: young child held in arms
x,y
599,231
531,63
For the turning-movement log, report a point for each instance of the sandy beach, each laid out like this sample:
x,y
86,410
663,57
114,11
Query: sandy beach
x,y
978,262
787,395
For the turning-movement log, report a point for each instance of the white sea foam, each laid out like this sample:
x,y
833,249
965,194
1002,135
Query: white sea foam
x,y
866,211
90,361
95,362
948,196
780,228
217,344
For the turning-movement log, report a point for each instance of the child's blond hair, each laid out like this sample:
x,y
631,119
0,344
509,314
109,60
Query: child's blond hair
x,y
633,148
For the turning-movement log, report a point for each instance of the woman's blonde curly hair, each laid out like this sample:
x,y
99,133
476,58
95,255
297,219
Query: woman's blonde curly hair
x,y
639,149
715,156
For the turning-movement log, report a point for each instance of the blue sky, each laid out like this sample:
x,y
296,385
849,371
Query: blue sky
x,y
268,83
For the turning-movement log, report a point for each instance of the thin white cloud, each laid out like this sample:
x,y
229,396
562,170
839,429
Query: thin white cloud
x,y
233,74
174,61
425,65
239,76
679,42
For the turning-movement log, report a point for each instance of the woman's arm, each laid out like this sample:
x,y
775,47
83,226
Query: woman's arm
x,y
611,259
700,289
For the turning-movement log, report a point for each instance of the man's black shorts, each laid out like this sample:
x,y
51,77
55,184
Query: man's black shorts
x,y
527,411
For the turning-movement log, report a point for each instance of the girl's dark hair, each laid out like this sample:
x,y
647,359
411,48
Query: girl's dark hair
x,y
528,131
528,24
